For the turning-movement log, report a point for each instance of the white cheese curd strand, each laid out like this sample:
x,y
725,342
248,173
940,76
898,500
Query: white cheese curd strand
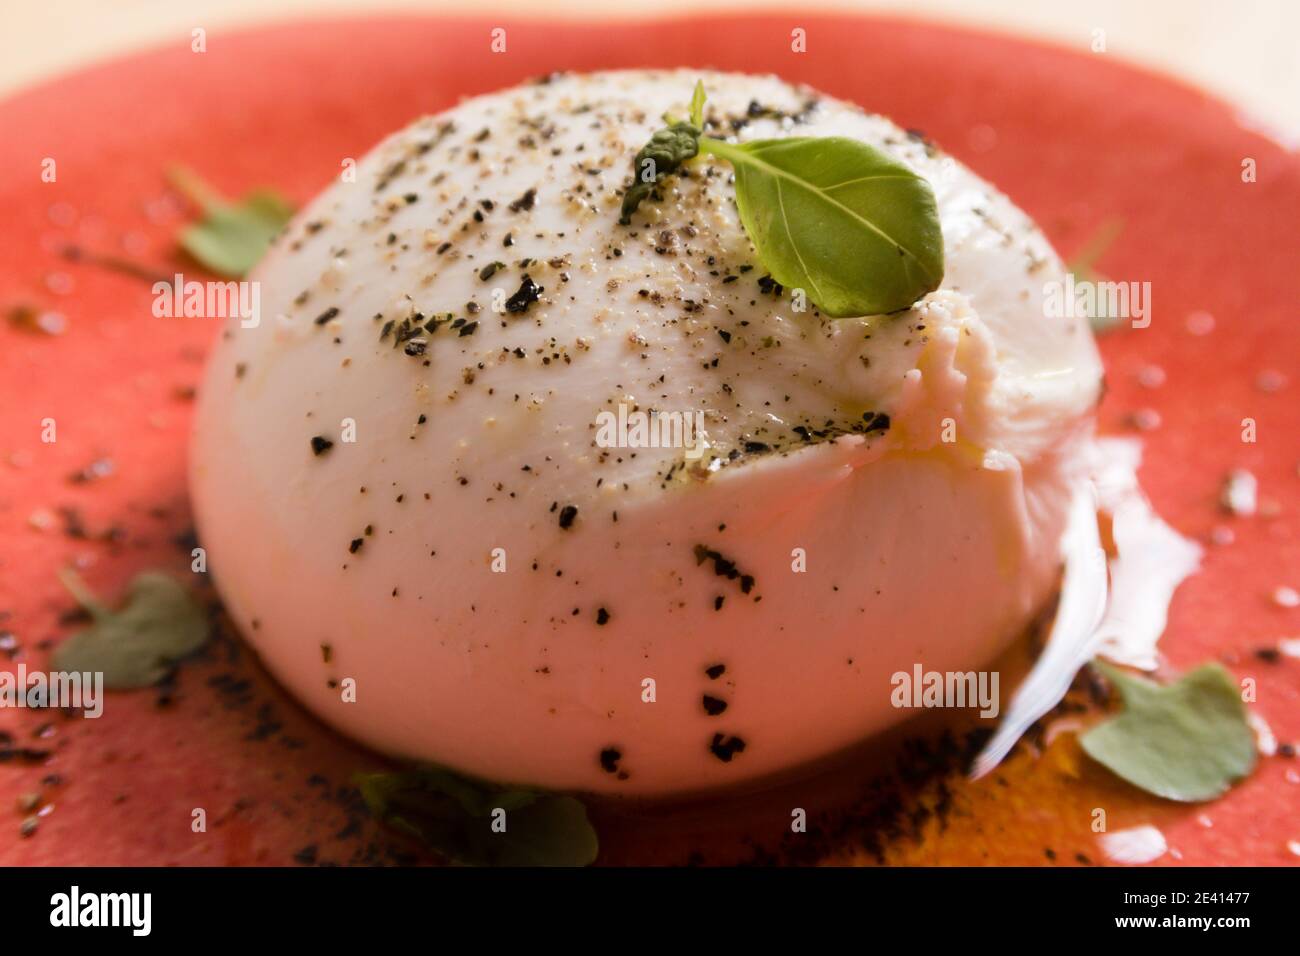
x,y
1151,559
1116,609
1072,640
467,577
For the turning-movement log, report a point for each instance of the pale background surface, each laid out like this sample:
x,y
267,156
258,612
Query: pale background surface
x,y
1246,51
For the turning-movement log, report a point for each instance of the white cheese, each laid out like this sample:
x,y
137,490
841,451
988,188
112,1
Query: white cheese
x,y
474,581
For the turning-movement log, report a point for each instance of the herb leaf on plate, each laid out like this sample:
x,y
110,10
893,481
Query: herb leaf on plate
x,y
159,624
454,816
232,236
1188,741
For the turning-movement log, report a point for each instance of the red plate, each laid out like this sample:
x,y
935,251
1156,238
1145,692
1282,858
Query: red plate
x,y
1077,139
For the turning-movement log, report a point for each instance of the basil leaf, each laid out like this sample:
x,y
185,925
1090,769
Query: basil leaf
x,y
855,229
232,236
135,647
697,105
663,155
1083,266
1101,321
1084,263
454,816
1188,741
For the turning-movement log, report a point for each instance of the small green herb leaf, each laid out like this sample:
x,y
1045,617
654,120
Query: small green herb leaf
x,y
697,105
454,816
135,647
663,155
857,230
1084,263
1188,741
231,237
854,228
1083,266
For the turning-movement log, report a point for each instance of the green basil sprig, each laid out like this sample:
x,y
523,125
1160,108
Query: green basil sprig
x,y
1189,741
232,236
455,816
663,155
854,228
136,645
